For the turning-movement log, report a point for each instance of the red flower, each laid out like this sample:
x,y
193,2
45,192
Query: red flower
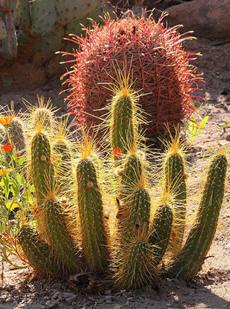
x,y
117,152
7,147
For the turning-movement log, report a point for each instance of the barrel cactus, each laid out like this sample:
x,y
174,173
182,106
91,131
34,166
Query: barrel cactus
x,y
160,66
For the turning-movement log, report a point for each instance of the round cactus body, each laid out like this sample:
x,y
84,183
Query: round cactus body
x,y
157,59
189,260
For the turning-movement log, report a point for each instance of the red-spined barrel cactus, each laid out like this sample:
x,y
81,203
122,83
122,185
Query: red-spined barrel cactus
x,y
160,67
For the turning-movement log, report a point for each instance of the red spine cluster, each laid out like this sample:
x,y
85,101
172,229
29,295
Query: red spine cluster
x,y
160,65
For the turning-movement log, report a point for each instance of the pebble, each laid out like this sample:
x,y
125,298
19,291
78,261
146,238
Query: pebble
x,y
69,297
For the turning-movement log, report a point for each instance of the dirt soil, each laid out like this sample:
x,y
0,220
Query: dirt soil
x,y
211,289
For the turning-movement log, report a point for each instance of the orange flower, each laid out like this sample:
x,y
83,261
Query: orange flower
x,y
6,120
117,152
7,147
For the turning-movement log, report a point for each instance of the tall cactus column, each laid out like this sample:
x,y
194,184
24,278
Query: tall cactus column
x,y
94,235
175,185
189,261
42,175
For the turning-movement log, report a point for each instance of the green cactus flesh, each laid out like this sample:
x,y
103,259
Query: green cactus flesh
x,y
43,16
94,237
175,184
44,117
122,134
41,167
135,268
38,252
16,134
22,18
63,167
59,237
189,261
69,10
160,231
136,213
129,177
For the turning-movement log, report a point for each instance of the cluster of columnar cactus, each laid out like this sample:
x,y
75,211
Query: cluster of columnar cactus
x,y
136,243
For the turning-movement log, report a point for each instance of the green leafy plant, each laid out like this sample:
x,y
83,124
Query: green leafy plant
x,y
195,128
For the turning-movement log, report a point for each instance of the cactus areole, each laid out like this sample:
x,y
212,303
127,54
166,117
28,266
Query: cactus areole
x,y
160,66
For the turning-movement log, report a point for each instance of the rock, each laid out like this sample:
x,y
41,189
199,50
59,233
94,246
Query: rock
x,y
208,18
69,297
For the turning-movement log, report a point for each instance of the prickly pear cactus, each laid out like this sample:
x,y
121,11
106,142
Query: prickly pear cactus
x,y
22,16
69,10
189,261
8,47
38,253
94,235
43,16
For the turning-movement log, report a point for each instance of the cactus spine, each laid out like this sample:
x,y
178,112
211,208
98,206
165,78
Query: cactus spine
x,y
41,166
136,266
160,231
42,176
175,184
2,134
130,175
64,169
42,116
16,134
59,237
189,261
123,126
94,235
38,252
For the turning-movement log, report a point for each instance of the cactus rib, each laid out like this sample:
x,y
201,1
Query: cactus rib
x,y
160,231
59,237
38,253
94,236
